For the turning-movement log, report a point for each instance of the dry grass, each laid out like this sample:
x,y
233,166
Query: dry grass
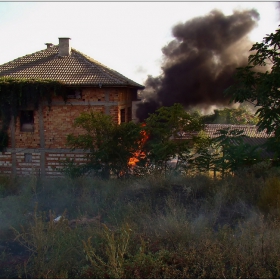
x,y
173,227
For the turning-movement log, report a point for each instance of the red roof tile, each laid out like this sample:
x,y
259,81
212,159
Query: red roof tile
x,y
211,131
248,130
75,69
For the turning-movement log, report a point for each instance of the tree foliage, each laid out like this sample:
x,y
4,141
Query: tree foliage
x,y
169,133
225,153
234,152
110,145
259,82
165,125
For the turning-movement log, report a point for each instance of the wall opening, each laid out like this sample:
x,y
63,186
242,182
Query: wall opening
x,y
122,115
129,114
27,121
73,93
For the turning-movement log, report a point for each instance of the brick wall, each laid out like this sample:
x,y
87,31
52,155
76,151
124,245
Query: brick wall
x,y
55,162
45,147
22,166
29,163
58,123
6,163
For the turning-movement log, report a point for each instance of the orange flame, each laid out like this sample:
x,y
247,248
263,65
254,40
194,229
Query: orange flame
x,y
139,154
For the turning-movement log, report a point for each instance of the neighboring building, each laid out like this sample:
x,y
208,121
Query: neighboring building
x,y
250,133
38,139
252,136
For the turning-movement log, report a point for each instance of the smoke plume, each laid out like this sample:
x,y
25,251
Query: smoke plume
x,y
198,65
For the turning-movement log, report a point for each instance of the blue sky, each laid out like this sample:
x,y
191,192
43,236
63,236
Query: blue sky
x,y
125,36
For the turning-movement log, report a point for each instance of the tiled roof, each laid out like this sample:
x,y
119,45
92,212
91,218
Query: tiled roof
x,y
251,135
75,69
258,142
211,130
248,130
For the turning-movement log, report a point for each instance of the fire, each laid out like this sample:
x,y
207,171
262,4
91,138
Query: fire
x,y
139,154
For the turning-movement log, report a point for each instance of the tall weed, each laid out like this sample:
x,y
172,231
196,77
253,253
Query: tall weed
x,y
173,227
53,246
111,264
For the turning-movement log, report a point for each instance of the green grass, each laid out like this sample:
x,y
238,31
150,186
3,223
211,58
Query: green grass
x,y
152,227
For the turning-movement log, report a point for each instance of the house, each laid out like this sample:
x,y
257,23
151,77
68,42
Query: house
x,y
37,140
250,135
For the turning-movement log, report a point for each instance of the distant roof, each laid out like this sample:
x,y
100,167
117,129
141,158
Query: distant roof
x,y
251,136
248,130
74,69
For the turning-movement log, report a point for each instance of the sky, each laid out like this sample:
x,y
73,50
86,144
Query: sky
x,y
125,36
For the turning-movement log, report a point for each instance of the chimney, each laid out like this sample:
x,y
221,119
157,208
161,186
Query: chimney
x,y
64,47
49,45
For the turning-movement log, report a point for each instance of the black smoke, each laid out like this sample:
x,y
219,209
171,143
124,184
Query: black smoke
x,y
198,65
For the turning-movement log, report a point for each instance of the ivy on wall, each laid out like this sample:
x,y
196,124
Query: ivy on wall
x,y
18,94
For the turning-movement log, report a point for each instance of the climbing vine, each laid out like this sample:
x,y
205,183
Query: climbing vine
x,y
18,94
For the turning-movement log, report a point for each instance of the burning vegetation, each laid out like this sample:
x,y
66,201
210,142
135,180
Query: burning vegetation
x,y
139,154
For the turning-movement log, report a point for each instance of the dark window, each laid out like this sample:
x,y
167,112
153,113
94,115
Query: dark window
x,y
129,114
27,157
74,93
134,95
122,115
27,121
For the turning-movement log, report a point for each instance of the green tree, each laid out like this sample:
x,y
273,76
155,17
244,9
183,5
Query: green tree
x,y
203,154
110,145
259,83
166,129
225,153
234,152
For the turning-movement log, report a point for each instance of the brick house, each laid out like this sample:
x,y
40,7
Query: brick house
x,y
37,140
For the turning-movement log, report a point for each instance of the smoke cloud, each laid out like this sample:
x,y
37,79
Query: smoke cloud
x,y
198,65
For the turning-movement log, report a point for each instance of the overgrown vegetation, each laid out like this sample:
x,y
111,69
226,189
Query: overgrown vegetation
x,y
110,145
170,134
153,227
113,147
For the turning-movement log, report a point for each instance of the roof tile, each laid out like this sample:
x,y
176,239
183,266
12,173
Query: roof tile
x,y
75,69
248,130
211,131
